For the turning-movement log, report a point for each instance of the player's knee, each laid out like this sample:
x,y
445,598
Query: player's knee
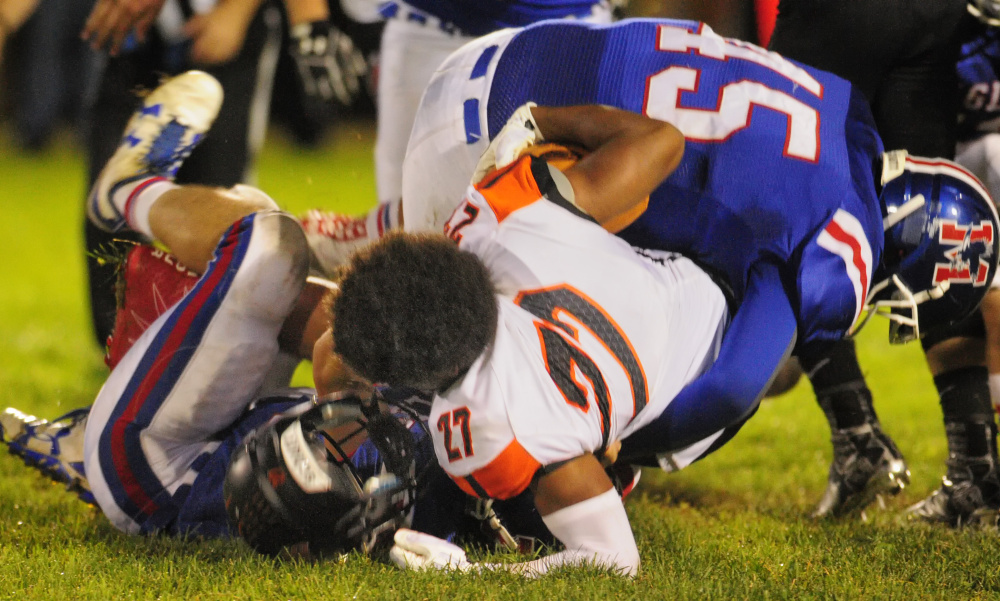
x,y
786,378
956,353
276,265
256,199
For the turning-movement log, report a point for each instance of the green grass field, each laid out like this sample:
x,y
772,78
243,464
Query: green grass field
x,y
731,527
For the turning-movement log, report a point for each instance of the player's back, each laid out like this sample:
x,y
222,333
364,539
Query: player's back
x,y
773,148
593,339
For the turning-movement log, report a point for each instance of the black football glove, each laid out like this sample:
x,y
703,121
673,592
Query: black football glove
x,y
330,66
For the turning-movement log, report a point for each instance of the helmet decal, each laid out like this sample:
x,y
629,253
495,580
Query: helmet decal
x,y
957,240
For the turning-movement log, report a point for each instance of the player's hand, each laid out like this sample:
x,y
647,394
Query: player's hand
x,y
517,135
418,551
111,21
329,65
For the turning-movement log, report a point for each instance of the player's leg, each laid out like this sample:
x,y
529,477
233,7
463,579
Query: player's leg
x,y
158,137
991,321
866,462
449,134
410,53
107,112
193,373
963,363
970,492
195,370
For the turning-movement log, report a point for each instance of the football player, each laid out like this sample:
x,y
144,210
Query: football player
x,y
762,133
907,73
197,382
741,183
799,216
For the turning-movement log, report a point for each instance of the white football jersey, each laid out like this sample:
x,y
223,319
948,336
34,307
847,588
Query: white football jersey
x,y
594,338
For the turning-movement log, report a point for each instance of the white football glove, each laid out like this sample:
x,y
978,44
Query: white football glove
x,y
517,135
418,551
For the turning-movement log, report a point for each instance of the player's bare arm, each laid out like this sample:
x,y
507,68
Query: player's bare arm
x,y
631,155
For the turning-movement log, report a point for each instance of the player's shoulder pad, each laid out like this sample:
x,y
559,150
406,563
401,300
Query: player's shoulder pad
x,y
524,182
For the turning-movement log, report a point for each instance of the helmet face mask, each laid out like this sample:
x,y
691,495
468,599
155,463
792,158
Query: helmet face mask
x,y
941,246
309,485
987,11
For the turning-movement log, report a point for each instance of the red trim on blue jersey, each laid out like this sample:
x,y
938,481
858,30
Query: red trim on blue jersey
x,y
837,232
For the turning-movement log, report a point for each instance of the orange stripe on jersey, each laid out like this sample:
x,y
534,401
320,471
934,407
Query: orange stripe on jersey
x,y
506,476
511,188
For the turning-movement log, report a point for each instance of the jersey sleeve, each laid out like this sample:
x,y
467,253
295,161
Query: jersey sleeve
x,y
834,278
474,440
506,476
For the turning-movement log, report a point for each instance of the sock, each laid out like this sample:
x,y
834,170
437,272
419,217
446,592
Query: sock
x,y
134,199
968,413
965,395
840,387
382,218
994,383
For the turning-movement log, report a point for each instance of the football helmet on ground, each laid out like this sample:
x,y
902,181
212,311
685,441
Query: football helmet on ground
x,y
941,246
341,476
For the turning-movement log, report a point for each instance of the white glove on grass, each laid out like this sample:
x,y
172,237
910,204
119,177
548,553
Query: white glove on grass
x,y
418,551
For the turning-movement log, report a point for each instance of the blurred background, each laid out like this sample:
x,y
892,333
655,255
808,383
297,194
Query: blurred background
x,y
47,74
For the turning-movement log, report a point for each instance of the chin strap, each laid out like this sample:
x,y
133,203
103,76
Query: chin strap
x,y
901,309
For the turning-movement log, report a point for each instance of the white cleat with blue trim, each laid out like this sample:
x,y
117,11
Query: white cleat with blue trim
x,y
55,448
172,120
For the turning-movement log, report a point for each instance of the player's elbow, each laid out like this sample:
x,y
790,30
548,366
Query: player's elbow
x,y
672,144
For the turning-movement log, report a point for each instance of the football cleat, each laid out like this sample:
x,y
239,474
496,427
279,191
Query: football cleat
x,y
866,464
150,282
969,495
162,133
55,448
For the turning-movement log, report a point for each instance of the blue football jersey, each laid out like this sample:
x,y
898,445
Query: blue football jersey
x,y
479,17
979,86
779,157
